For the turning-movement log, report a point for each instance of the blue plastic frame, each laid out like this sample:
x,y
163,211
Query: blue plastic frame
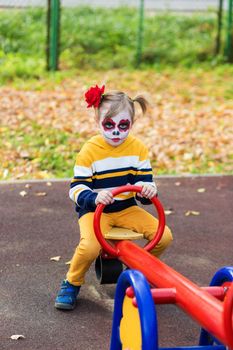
x,y
225,274
146,308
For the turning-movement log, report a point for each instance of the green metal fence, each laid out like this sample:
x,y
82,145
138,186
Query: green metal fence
x,y
229,41
53,34
144,47
54,13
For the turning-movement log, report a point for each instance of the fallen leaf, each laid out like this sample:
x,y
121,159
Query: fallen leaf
x,y
18,176
17,336
188,156
24,154
28,186
192,212
23,193
41,194
5,173
177,183
55,258
68,262
49,183
168,211
201,190
191,111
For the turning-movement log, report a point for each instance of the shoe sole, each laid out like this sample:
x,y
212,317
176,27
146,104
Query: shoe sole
x,y
64,306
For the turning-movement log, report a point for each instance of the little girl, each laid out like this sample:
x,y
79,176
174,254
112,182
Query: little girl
x,y
113,158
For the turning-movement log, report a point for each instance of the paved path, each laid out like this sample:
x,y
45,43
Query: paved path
x,y
175,5
35,228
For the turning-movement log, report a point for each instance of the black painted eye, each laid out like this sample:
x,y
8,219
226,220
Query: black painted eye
x,y
108,125
124,126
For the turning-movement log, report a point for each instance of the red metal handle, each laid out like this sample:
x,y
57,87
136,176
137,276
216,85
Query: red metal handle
x,y
100,207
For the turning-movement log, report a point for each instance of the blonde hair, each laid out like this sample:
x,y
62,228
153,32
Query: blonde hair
x,y
116,101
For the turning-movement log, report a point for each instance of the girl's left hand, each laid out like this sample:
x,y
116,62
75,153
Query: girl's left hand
x,y
148,191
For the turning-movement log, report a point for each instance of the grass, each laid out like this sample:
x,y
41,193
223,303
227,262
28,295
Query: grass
x,y
41,150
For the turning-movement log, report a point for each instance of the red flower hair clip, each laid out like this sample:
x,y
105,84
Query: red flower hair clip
x,y
93,96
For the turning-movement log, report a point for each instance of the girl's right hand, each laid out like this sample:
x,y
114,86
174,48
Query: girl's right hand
x,y
104,197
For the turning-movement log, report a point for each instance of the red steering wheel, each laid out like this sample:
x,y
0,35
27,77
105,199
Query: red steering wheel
x,y
111,250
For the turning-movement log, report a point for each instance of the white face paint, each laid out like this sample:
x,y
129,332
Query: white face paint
x,y
116,129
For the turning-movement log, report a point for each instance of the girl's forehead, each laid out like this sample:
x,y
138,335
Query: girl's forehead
x,y
123,114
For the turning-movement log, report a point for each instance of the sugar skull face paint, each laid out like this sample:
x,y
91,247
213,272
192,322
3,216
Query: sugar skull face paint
x,y
116,129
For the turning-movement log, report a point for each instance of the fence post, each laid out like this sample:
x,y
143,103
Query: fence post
x,y
140,33
53,23
229,39
219,30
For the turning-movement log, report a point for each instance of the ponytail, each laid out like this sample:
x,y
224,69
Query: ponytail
x,y
143,102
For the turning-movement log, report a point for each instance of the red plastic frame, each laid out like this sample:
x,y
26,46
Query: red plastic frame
x,y
100,207
228,316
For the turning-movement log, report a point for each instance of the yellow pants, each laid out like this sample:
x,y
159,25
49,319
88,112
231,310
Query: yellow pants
x,y
134,218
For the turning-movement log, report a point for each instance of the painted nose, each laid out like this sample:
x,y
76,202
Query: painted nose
x,y
116,133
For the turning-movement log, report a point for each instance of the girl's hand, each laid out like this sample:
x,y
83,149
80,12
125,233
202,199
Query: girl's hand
x,y
104,197
148,191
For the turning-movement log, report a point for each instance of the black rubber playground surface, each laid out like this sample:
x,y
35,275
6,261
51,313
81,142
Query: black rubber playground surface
x,y
38,222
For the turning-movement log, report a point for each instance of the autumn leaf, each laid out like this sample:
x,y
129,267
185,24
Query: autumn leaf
x,y
192,212
55,258
24,154
201,190
40,194
17,336
22,193
5,173
168,211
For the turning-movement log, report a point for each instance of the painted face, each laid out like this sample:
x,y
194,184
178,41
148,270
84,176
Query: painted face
x,y
116,129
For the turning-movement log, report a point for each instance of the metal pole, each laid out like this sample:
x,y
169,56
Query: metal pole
x,y
48,33
140,33
219,29
53,36
229,40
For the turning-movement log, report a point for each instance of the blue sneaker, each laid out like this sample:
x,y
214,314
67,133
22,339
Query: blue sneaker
x,y
67,296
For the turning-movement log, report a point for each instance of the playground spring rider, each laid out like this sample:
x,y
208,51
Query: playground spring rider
x,y
211,307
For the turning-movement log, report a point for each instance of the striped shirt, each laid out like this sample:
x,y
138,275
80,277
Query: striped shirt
x,y
100,166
